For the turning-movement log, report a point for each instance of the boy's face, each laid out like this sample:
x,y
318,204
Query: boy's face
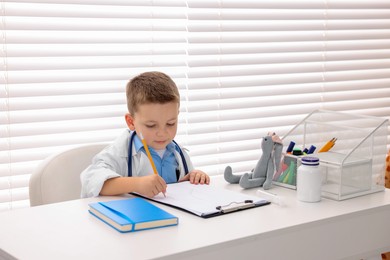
x,y
156,122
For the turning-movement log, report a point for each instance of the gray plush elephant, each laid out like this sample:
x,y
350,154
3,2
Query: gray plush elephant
x,y
262,174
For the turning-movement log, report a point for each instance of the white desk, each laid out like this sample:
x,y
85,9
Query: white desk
x,y
351,229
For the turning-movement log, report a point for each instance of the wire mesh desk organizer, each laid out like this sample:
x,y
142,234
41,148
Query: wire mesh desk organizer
x,y
352,156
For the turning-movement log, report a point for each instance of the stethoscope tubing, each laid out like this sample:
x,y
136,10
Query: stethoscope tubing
x,y
129,165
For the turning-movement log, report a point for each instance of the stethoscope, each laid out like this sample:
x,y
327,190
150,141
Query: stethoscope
x,y
129,168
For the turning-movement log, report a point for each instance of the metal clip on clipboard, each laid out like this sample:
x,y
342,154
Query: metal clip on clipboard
x,y
235,206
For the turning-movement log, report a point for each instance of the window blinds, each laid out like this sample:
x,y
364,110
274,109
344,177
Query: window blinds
x,y
256,66
65,67
243,68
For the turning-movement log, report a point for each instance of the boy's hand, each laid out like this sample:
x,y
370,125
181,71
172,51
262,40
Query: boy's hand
x,y
196,177
150,185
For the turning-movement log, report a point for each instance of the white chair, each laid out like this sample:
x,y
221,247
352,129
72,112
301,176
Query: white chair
x,y
57,178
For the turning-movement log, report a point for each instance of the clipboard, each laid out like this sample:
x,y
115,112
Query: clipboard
x,y
206,200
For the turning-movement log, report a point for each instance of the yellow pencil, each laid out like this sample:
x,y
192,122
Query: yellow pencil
x,y
328,145
149,155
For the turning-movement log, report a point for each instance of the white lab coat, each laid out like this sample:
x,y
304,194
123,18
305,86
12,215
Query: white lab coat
x,y
112,162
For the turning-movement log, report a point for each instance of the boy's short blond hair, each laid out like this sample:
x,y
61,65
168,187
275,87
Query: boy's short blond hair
x,y
150,87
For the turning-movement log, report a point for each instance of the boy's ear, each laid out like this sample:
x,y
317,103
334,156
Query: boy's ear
x,y
130,122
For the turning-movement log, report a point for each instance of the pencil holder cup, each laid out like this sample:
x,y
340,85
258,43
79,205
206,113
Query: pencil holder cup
x,y
287,174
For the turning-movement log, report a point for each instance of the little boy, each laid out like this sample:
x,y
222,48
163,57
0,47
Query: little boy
x,y
153,102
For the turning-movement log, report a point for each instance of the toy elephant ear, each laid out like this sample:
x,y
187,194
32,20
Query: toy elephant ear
x,y
277,139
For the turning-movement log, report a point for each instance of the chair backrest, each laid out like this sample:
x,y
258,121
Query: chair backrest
x,y
57,178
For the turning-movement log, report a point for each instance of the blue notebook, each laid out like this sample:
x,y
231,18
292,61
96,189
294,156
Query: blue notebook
x,y
133,214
